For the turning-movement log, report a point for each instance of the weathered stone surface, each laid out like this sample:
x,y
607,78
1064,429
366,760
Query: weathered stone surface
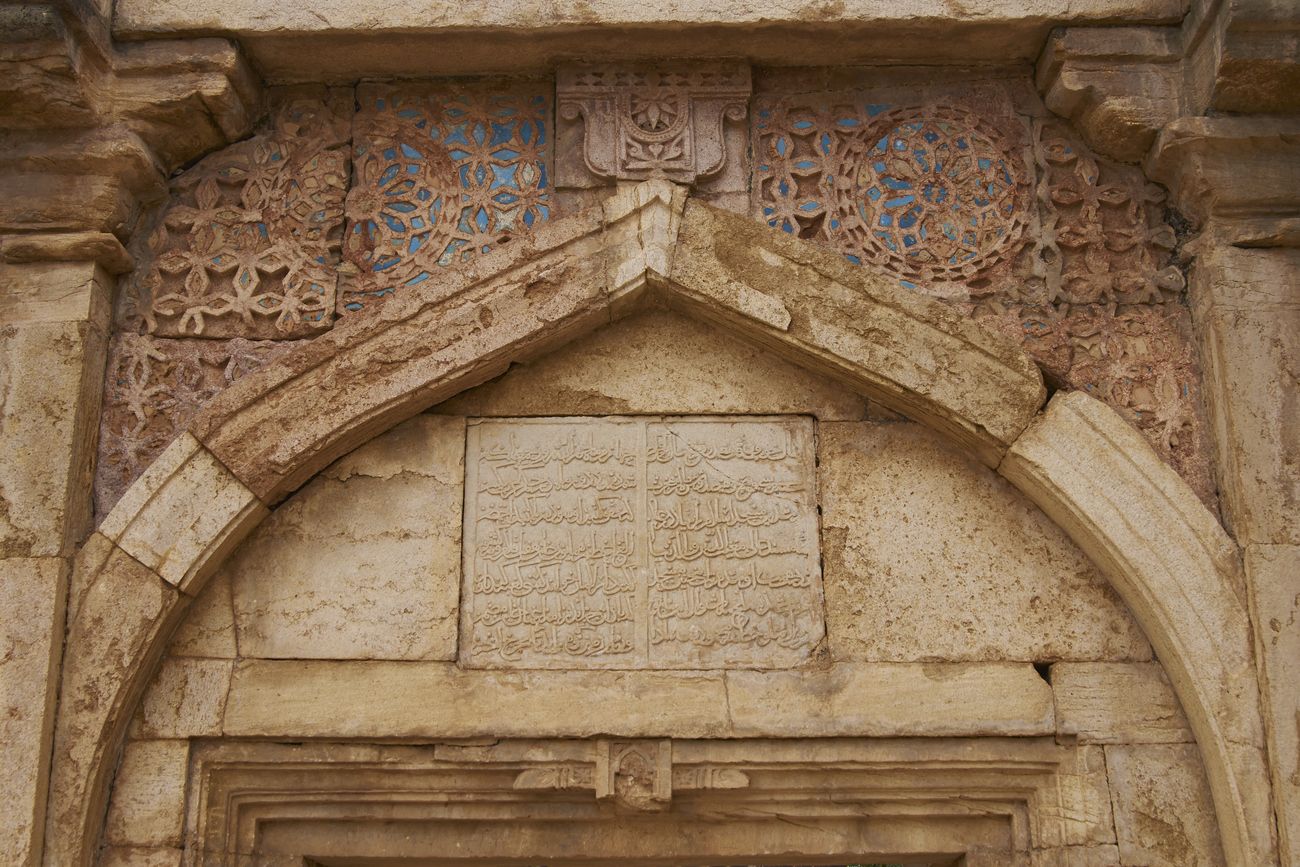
x,y
1117,703
1273,574
911,353
208,629
658,363
55,292
531,295
1163,815
1231,166
1082,816
32,595
890,700
289,42
162,524
186,699
111,643
148,804
304,698
1179,574
364,561
46,434
931,556
408,699
1117,85
1248,310
678,543
1076,856
138,856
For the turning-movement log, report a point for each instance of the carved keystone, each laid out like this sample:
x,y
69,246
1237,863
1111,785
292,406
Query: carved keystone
x,y
633,774
645,122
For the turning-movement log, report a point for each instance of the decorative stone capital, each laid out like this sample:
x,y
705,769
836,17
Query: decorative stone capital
x,y
649,121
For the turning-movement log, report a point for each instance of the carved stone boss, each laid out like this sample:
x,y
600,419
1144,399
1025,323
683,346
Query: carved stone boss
x,y
645,122
640,543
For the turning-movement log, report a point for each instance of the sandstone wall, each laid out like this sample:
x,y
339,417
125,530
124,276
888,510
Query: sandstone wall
x,y
952,608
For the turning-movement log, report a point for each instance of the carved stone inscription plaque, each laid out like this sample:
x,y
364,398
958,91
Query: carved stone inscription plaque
x,y
640,543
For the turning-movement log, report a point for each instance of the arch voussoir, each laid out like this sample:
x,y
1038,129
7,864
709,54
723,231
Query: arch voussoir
x,y
1180,575
909,352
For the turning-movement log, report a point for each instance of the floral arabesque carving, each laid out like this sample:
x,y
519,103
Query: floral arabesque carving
x,y
248,244
647,121
441,176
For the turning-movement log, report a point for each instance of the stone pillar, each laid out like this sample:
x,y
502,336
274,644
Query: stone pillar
x,y
88,131
1239,179
53,333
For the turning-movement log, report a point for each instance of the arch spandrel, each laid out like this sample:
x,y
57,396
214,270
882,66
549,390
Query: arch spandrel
x,y
275,429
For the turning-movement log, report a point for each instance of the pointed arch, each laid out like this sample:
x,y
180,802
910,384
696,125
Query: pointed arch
x,y
264,437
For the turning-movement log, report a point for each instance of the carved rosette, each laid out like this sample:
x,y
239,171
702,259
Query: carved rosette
x,y
935,194
442,176
1015,222
645,121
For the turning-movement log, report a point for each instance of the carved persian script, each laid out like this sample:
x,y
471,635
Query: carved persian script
x,y
640,543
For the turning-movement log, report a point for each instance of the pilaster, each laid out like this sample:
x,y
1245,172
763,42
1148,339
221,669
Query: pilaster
x,y
88,134
1239,180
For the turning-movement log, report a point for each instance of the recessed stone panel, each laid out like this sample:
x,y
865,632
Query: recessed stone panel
x,y
640,543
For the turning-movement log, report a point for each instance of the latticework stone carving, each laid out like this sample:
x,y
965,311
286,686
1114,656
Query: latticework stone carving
x,y
244,258
1014,220
938,194
248,244
1104,237
153,388
441,176
647,121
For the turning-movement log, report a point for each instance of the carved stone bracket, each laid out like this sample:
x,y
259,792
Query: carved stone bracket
x,y
646,121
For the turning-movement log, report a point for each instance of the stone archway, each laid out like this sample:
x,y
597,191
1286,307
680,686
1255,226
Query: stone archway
x,y
1165,554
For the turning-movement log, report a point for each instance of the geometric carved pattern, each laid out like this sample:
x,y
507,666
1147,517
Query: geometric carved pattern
x,y
1066,253
153,388
646,121
441,176
934,194
1104,236
248,244
247,249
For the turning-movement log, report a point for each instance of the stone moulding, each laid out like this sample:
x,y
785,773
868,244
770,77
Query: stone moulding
x,y
273,430
1032,793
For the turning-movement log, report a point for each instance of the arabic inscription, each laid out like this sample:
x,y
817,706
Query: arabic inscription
x,y
640,543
